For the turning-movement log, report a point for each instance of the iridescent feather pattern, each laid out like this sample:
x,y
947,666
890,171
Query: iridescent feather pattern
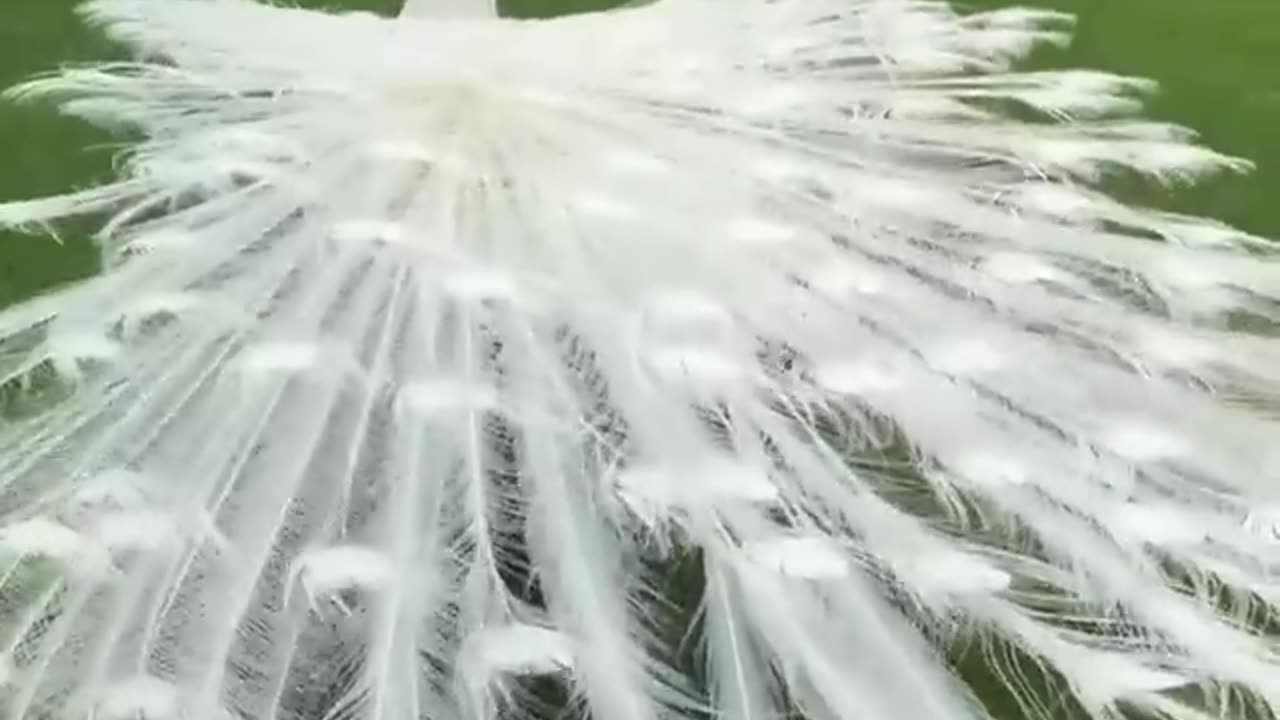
x,y
690,360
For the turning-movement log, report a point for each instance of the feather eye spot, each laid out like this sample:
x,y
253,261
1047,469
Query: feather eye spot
x,y
517,649
801,558
858,377
325,573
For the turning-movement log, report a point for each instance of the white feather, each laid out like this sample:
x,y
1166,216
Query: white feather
x,y
770,289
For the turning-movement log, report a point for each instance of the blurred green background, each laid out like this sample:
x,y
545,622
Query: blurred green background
x,y
1218,63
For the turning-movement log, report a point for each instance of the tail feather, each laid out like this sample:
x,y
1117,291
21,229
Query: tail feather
x,y
427,347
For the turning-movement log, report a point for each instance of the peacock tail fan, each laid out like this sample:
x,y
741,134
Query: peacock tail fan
x,y
696,359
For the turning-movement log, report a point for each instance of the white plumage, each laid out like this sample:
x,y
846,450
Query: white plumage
x,y
427,347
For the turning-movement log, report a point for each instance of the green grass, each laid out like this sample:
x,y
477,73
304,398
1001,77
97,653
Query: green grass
x,y
1216,62
40,152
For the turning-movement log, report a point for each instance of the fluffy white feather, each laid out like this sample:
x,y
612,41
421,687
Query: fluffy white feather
x,y
427,346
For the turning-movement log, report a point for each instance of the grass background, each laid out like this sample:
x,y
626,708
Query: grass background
x,y
1218,63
